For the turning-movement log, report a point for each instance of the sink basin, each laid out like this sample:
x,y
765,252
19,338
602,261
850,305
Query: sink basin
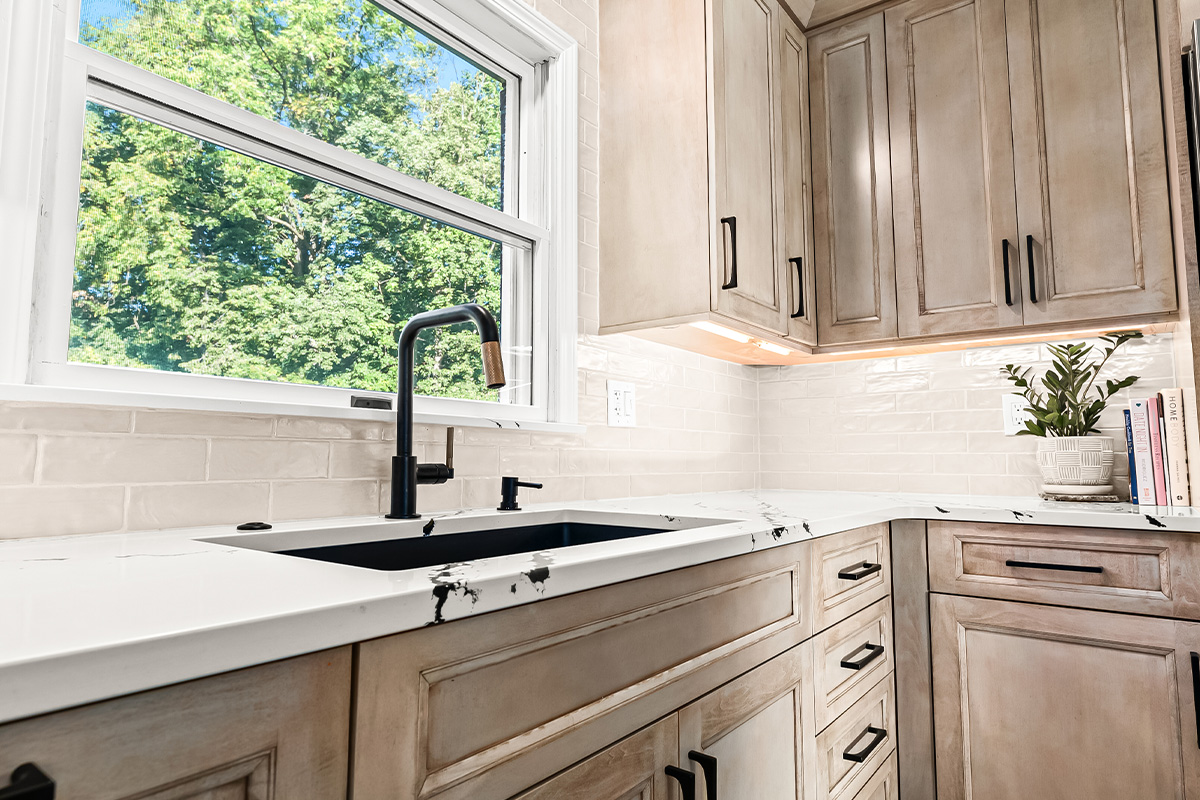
x,y
414,544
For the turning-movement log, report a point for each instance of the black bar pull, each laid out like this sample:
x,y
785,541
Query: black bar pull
x,y
799,262
1032,271
687,781
732,223
1059,567
877,736
859,571
1196,691
709,765
873,651
1007,282
28,783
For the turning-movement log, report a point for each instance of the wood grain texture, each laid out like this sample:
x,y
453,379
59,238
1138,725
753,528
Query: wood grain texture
x,y
796,191
1034,701
487,706
885,784
836,687
1091,169
1143,573
276,731
834,598
760,729
838,778
852,196
953,183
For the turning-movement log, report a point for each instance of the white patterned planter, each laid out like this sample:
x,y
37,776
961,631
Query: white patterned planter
x,y
1080,465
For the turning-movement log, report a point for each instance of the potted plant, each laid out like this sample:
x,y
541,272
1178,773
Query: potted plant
x,y
1066,409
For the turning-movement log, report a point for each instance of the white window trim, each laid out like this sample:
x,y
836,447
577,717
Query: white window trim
x,y
37,216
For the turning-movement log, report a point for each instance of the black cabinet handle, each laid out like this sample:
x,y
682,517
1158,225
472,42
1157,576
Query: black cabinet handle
x,y
1032,271
859,571
799,262
28,783
687,781
1059,567
877,736
732,223
1007,282
873,651
1196,691
709,765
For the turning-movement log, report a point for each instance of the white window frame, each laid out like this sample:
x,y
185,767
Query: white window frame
x,y
41,126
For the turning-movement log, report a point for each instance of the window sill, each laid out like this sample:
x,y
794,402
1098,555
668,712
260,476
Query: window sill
x,y
35,393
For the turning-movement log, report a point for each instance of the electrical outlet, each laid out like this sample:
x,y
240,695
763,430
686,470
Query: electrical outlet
x,y
1016,411
621,404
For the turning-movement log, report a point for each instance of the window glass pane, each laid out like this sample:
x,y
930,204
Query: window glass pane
x,y
343,71
194,258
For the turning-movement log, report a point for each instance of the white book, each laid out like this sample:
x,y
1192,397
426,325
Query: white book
x,y
1162,438
1143,461
1175,438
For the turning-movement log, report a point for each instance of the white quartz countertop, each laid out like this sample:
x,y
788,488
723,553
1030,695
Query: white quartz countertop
x,y
87,618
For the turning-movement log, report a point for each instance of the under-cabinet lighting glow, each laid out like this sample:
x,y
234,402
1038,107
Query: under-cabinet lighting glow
x,y
771,347
721,330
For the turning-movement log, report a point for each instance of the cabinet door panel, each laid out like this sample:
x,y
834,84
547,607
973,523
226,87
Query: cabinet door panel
x,y
852,207
954,191
1034,701
1091,166
744,56
632,769
756,727
797,262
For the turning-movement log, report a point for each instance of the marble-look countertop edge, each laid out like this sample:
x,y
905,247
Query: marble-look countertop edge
x,y
50,665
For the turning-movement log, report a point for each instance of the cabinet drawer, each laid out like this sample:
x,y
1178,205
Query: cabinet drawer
x,y
856,744
850,658
851,571
884,784
1131,571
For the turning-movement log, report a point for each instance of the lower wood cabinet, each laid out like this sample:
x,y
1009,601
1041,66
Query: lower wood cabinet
x,y
1033,701
278,731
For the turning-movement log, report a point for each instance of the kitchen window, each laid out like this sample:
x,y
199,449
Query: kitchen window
x,y
244,201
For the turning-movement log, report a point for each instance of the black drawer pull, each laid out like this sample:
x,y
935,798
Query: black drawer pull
x,y
1196,691
709,765
1007,283
28,783
874,651
687,781
799,262
1032,271
1059,567
732,223
859,571
877,734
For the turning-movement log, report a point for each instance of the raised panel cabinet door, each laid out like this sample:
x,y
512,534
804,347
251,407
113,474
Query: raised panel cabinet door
x,y
953,186
1092,186
746,276
632,769
852,186
795,190
1037,701
756,731
273,732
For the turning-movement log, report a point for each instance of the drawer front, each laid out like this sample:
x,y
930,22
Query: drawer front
x,y
851,571
850,658
1115,570
857,744
884,784
483,707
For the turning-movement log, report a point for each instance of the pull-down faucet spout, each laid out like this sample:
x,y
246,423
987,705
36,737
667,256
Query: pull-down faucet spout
x,y
406,472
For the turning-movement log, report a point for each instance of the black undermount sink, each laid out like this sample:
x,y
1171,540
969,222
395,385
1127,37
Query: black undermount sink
x,y
433,542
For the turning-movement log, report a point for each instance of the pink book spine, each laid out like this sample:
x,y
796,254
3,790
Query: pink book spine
x,y
1156,453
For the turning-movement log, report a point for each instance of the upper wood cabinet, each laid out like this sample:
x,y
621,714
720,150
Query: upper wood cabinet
x,y
1091,168
704,166
953,184
852,196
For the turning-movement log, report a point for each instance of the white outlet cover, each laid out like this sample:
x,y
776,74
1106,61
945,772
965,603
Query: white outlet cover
x,y
622,404
1016,411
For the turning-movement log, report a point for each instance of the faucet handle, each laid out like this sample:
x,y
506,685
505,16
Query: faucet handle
x,y
450,449
508,492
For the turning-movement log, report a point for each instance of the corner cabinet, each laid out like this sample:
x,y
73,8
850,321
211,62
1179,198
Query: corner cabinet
x,y
704,174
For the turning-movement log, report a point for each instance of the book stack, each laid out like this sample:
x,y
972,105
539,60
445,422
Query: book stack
x,y
1157,445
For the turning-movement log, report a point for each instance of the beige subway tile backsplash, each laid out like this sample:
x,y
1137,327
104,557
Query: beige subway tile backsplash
x,y
240,459
182,505
28,511
121,459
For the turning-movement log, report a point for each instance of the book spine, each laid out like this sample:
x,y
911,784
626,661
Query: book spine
x,y
1133,495
1156,459
1166,458
1141,452
1177,462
